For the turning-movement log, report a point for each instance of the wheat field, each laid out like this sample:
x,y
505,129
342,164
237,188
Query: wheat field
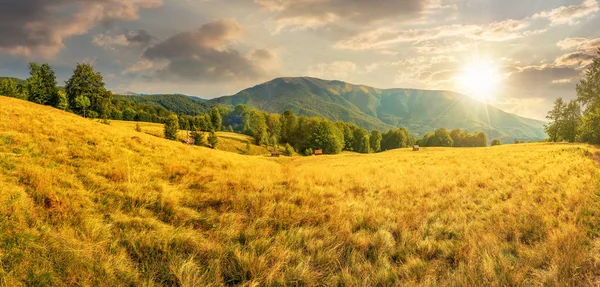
x,y
88,204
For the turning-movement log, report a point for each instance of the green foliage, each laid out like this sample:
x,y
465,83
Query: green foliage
x,y
198,137
8,87
289,150
178,104
308,152
496,142
462,138
213,139
375,141
171,127
325,136
216,119
361,140
588,94
41,85
82,103
394,139
62,102
87,83
564,121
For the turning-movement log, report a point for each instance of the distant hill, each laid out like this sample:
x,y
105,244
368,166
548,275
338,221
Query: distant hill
x,y
419,111
180,104
16,80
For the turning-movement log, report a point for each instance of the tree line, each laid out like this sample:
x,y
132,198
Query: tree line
x,y
579,119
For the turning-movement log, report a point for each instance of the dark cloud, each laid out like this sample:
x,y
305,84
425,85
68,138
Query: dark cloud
x,y
38,27
116,39
528,79
203,56
139,37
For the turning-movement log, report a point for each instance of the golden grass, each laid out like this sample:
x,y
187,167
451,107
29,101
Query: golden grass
x,y
95,205
230,142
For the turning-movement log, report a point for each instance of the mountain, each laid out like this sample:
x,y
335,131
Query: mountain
x,y
419,111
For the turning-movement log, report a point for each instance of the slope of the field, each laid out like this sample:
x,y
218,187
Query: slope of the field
x,y
88,204
420,111
230,142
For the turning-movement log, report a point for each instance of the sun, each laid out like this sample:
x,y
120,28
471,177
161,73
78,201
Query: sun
x,y
480,80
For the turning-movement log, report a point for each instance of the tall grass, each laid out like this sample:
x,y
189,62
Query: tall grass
x,y
97,205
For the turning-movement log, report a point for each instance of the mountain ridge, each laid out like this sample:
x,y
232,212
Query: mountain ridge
x,y
420,111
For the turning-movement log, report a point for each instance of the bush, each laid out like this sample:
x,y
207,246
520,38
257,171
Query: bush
x,y
496,142
138,128
308,152
198,137
289,150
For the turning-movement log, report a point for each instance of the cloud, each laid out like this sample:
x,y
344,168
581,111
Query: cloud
x,y
115,40
203,55
311,14
37,28
385,37
334,70
586,50
569,14
535,78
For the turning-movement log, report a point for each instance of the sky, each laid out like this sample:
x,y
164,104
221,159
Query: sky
x,y
522,54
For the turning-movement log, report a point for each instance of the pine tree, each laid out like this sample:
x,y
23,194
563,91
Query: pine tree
x,y
171,127
213,139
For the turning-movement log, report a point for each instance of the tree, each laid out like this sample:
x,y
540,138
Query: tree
x,y
588,95
62,102
394,139
82,103
289,124
198,137
171,127
42,85
86,82
326,136
375,141
571,121
213,139
496,142
360,144
216,119
555,120
8,87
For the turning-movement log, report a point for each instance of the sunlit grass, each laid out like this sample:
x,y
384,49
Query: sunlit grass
x,y
102,205
231,142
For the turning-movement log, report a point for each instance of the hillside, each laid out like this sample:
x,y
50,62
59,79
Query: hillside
x,y
417,110
179,104
89,204
16,80
230,142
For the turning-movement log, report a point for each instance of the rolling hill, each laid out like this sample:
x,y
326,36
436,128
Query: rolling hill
x,y
419,111
179,104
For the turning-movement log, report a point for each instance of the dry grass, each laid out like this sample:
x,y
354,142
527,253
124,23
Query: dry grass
x,y
230,142
90,204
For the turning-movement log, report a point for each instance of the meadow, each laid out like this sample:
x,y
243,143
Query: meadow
x,y
89,204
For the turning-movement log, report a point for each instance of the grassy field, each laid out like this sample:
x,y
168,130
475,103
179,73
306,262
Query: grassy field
x,y
230,142
88,204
